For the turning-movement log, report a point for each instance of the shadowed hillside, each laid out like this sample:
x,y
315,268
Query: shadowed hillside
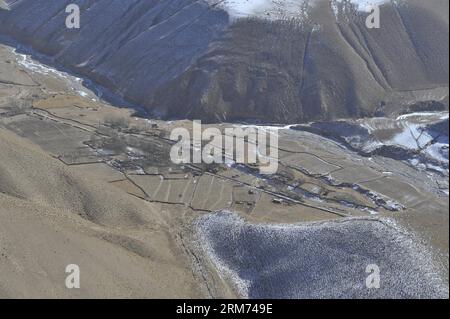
x,y
185,59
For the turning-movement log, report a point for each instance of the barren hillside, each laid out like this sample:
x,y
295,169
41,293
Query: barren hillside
x,y
292,61
52,215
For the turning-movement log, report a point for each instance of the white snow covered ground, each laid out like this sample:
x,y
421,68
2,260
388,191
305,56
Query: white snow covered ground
x,y
268,9
276,9
76,83
413,132
416,136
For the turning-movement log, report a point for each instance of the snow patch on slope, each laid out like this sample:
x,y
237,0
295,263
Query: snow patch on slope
x,y
75,83
268,9
276,9
366,5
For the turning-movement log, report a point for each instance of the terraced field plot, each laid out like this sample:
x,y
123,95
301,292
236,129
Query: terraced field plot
x,y
406,194
59,139
166,190
314,165
213,193
355,174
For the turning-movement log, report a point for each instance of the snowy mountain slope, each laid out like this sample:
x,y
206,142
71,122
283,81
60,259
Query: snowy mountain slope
x,y
194,59
267,9
276,9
